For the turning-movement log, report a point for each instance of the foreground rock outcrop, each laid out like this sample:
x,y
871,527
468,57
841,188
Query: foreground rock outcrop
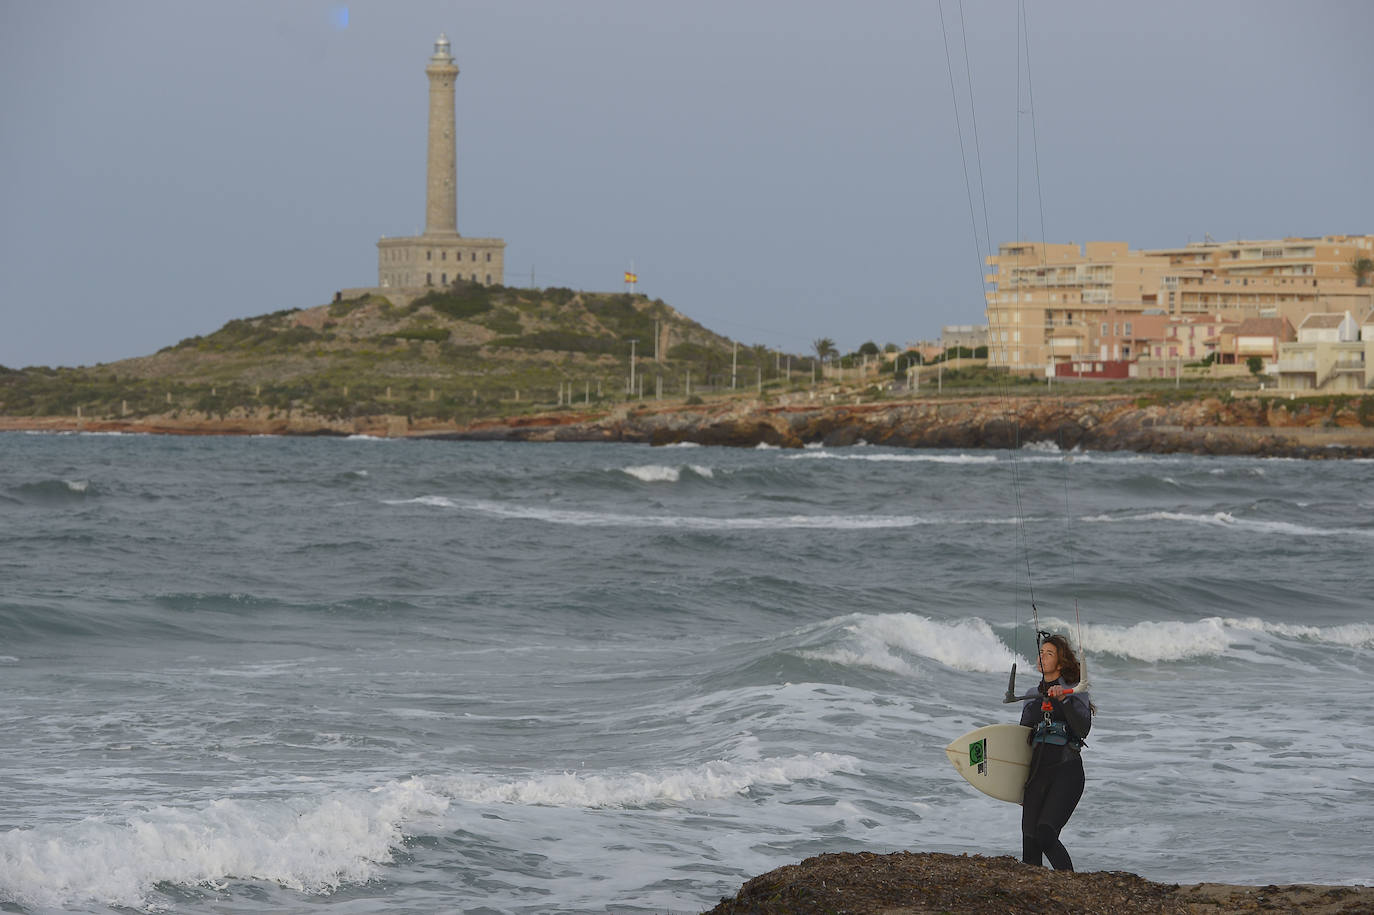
x,y
919,884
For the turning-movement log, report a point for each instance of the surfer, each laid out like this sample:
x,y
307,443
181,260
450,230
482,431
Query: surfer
x,y
1059,720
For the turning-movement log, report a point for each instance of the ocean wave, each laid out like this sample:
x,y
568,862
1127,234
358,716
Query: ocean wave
x,y
659,473
578,518
885,457
886,641
709,781
307,844
1155,641
1228,520
53,492
575,517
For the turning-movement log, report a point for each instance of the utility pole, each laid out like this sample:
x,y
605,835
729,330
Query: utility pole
x,y
734,365
631,388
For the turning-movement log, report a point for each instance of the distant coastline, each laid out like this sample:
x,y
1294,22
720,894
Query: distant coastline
x,y
1257,426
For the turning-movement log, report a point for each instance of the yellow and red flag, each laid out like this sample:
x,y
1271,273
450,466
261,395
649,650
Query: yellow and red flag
x,y
631,277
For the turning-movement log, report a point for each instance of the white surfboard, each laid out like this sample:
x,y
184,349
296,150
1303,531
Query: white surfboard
x,y
994,759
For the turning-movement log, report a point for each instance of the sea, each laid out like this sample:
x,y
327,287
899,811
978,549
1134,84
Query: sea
x,y
357,675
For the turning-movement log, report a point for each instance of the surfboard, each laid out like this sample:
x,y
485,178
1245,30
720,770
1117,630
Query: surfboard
x,y
994,759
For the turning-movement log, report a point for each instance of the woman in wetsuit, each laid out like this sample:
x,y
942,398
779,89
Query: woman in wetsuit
x,y
1058,721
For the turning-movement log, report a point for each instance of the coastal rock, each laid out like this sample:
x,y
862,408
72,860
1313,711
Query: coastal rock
x,y
1321,429
906,883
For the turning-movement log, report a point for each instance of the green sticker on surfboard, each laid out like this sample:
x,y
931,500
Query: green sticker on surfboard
x,y
978,752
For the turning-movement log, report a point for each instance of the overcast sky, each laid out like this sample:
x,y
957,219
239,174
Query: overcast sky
x,y
779,170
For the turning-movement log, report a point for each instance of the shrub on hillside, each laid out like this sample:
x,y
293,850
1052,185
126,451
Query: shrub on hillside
x,y
421,332
460,301
563,341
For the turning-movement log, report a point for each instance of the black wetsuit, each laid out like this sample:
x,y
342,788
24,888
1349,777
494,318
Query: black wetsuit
x,y
1056,780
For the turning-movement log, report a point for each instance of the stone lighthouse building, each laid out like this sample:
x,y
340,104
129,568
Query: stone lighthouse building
x,y
441,255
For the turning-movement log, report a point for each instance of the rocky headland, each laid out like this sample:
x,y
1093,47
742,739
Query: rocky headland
x,y
1259,426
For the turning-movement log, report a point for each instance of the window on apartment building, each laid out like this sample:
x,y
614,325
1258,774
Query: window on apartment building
x,y
429,279
1128,328
429,255
488,257
488,279
1104,328
444,278
474,255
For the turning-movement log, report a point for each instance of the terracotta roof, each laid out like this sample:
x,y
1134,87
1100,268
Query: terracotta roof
x,y
1265,327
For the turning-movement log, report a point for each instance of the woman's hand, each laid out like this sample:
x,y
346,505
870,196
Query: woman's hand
x,y
1058,692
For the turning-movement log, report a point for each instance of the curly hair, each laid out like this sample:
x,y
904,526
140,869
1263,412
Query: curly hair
x,y
1069,668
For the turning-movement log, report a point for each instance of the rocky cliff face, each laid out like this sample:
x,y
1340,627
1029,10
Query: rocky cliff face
x,y
1255,427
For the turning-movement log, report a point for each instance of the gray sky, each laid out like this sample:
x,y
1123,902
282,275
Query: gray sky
x,y
779,170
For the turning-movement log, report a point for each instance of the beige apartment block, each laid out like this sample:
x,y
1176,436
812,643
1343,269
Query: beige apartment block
x,y
1332,353
1049,302
1288,277
441,255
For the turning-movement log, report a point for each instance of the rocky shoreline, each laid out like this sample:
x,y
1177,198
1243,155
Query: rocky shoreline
x,y
907,883
1266,427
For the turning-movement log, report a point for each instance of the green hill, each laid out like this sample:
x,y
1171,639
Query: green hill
x,y
460,353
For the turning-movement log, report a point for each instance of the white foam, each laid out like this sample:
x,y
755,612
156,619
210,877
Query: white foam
x,y
1179,640
77,485
917,458
685,522
1228,520
709,781
658,473
436,501
879,641
764,446
311,845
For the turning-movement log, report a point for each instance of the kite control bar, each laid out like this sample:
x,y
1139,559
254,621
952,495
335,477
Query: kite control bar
x,y
1034,694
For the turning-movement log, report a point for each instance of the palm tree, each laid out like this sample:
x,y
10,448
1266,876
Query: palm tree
x,y
1362,267
825,348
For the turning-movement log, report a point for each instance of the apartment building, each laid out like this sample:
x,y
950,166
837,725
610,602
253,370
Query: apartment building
x,y
1049,301
1055,303
1290,277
